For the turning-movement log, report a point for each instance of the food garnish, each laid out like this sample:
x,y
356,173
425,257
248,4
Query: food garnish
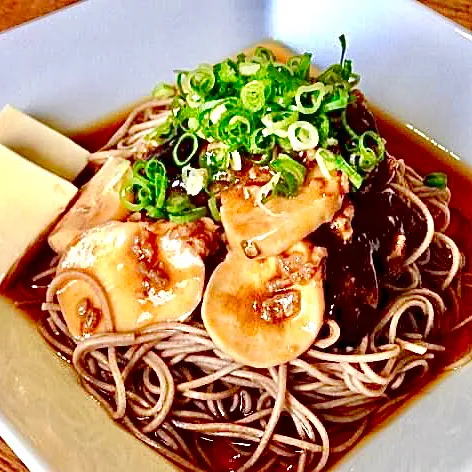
x,y
436,179
244,112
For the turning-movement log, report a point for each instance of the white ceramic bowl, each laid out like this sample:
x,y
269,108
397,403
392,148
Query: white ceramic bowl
x,y
77,65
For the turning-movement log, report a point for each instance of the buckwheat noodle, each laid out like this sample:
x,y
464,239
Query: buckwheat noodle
x,y
172,388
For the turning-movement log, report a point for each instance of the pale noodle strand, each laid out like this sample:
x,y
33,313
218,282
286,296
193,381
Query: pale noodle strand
x,y
428,219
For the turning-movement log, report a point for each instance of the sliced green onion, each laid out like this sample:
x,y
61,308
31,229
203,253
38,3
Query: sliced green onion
x,y
283,69
211,104
342,40
354,79
139,189
300,65
318,157
347,70
226,71
147,186
323,126
194,100
302,136
261,160
252,95
160,188
192,124
378,148
367,161
263,54
181,81
238,125
201,81
188,215
249,109
292,175
153,168
354,177
187,118
163,90
285,144
213,206
163,132
338,100
331,76
278,122
346,125
337,162
331,141
156,213
265,190
139,168
216,158
313,94
178,151
177,202
180,209
217,112
248,68
368,157
234,129
260,144
436,179
156,173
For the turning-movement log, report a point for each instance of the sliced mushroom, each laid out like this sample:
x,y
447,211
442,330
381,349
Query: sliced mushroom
x,y
147,277
266,312
98,202
258,230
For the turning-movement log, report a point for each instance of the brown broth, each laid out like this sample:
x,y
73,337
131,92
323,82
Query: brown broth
x,y
402,143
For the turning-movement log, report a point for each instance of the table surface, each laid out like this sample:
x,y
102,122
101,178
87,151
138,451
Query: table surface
x,y
15,12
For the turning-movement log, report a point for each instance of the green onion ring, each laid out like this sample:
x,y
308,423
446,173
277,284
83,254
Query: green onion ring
x,y
188,216
315,98
292,175
175,155
253,96
303,136
213,206
436,179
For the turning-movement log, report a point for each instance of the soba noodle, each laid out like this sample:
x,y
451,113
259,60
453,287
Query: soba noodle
x,y
170,386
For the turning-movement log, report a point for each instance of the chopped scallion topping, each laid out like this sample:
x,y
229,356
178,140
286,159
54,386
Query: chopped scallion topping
x,y
302,136
292,175
163,90
250,111
188,215
309,97
213,206
252,95
201,81
436,179
337,162
147,186
185,149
